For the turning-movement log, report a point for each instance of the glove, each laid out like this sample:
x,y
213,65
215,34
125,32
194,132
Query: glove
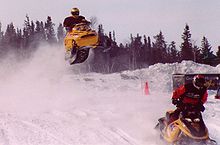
x,y
176,102
200,107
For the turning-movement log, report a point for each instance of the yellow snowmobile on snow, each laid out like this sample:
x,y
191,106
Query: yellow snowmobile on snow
x,y
78,42
189,129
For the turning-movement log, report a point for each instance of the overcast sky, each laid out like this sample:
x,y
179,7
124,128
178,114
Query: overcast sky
x,y
127,16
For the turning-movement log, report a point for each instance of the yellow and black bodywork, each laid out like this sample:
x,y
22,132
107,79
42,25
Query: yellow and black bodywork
x,y
79,40
185,130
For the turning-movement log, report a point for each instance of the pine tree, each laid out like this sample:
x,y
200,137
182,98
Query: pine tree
x,y
27,24
186,46
40,34
114,39
19,38
1,33
149,48
50,33
101,35
197,54
160,52
206,53
10,36
1,40
60,34
136,48
132,58
110,35
32,31
205,48
145,52
26,32
218,52
173,53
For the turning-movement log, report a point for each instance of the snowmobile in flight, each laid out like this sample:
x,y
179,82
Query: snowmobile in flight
x,y
78,42
188,129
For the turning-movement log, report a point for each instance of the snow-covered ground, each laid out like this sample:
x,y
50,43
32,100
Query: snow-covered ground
x,y
47,102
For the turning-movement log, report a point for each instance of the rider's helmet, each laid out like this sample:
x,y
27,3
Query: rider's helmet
x,y
199,81
75,11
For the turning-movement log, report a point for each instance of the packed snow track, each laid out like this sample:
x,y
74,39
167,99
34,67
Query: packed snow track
x,y
44,101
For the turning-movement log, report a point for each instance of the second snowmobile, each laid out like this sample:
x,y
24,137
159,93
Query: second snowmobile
x,y
78,42
188,129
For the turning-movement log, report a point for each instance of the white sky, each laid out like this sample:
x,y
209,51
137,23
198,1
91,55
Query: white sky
x,y
127,16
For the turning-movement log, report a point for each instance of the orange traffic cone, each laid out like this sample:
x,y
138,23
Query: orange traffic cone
x,y
146,89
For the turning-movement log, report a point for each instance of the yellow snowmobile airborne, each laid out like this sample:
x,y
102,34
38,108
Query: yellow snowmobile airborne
x,y
78,42
189,129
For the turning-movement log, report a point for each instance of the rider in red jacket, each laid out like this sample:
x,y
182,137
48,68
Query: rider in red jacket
x,y
194,94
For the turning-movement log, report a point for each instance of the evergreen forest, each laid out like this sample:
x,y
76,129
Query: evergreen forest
x,y
109,56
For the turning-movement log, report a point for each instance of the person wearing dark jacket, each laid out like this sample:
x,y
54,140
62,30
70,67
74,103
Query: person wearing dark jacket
x,y
193,94
75,18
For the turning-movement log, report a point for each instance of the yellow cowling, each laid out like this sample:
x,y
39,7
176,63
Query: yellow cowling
x,y
172,132
184,129
81,36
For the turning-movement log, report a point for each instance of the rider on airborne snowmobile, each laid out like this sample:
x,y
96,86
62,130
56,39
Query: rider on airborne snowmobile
x,y
80,37
193,94
75,18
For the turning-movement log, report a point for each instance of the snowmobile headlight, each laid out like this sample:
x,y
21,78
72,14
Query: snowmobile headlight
x,y
188,119
196,120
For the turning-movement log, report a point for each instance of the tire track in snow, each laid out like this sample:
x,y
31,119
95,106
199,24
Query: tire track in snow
x,y
115,136
17,131
38,128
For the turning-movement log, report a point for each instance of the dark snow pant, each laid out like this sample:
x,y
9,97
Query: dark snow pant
x,y
174,116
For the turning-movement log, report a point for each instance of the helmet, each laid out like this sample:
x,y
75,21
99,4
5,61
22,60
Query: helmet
x,y
75,11
199,81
